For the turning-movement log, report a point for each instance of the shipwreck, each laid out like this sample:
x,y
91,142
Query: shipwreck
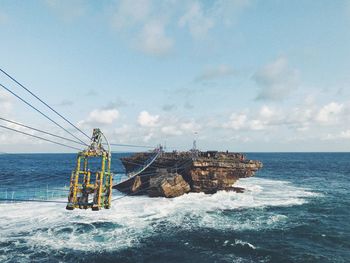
x,y
175,173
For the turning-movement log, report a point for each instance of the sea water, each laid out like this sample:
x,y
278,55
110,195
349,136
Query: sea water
x,y
296,209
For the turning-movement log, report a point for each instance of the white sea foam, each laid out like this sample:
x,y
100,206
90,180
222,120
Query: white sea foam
x,y
243,243
40,225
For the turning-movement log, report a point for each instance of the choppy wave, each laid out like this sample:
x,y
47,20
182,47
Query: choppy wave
x,y
44,226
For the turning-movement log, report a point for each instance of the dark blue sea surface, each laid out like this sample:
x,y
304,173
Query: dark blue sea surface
x,y
296,209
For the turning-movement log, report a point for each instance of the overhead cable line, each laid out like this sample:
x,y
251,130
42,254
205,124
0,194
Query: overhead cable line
x,y
132,145
32,200
31,189
43,102
38,137
47,117
38,130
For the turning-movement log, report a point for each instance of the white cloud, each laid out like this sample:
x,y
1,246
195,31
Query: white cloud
x,y
252,121
154,126
302,115
196,20
237,121
190,126
6,105
144,22
145,119
123,130
329,113
342,135
345,134
257,124
10,137
200,18
104,116
123,134
240,138
100,117
129,134
171,130
266,112
297,119
148,137
276,80
172,126
153,40
267,117
227,10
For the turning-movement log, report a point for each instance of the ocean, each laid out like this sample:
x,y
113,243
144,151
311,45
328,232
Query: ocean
x,y
296,209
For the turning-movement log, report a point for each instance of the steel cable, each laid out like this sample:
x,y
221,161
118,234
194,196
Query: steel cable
x,y
41,138
43,102
47,117
38,130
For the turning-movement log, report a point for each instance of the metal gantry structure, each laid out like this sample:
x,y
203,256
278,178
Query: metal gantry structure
x,y
92,189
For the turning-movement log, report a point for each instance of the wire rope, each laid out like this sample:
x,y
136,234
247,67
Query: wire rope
x,y
36,109
38,137
43,102
38,130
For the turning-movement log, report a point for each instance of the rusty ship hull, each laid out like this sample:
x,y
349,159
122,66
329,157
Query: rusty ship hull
x,y
206,172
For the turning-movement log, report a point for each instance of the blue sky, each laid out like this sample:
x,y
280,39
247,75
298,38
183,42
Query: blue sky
x,y
246,75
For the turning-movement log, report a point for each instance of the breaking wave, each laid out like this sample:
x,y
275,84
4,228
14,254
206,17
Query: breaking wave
x,y
28,227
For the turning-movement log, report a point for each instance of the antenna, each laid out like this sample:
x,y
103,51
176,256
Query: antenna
x,y
194,147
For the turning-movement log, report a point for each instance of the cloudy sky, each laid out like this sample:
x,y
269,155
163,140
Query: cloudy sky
x,y
246,75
